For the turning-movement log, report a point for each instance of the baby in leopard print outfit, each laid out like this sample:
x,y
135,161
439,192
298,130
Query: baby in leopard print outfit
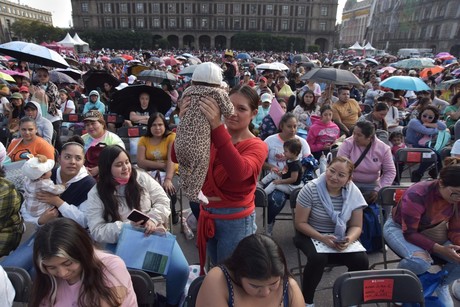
x,y
193,138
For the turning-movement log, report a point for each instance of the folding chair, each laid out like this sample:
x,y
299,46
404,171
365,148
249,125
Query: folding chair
x,y
22,283
261,201
132,132
387,198
193,290
5,136
411,156
113,118
143,287
293,203
384,286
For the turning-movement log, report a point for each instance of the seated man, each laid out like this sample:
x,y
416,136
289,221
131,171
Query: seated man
x,y
346,111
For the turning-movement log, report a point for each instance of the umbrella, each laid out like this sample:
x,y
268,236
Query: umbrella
x,y
117,60
372,61
434,71
127,57
443,54
188,70
405,83
188,55
272,66
58,77
74,73
155,59
335,63
281,66
300,58
126,100
94,79
33,53
258,60
14,73
105,58
414,63
193,61
243,56
171,61
6,77
445,85
388,68
71,61
156,76
332,75
136,69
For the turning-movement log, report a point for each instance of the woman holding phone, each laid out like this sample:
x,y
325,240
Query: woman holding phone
x,y
121,189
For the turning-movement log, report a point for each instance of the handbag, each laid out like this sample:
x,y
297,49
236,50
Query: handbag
x,y
437,233
149,253
13,170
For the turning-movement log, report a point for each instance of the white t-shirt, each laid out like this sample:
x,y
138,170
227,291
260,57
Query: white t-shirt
x,y
276,151
69,104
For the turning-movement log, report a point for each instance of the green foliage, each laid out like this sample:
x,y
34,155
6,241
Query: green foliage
x,y
265,41
35,31
313,48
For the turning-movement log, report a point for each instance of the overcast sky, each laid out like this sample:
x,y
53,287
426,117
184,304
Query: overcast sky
x,y
62,10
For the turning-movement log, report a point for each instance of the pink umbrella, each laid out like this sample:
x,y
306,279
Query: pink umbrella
x,y
14,73
443,54
171,61
105,58
388,68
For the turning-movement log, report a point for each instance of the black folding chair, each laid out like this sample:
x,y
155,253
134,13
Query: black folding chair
x,y
411,156
384,286
22,283
5,136
261,201
144,287
190,300
132,132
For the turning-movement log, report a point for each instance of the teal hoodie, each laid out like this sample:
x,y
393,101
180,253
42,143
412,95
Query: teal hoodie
x,y
98,105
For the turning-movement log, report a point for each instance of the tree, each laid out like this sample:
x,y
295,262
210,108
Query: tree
x,y
35,31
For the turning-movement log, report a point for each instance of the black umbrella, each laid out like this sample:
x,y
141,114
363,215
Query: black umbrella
x,y
126,100
74,73
94,79
58,77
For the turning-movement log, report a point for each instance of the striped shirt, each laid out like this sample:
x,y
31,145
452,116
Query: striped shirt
x,y
318,219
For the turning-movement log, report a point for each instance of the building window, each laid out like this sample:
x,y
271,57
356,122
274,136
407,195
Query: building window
x,y
124,7
204,23
285,10
86,23
139,7
187,8
140,22
220,8
188,23
107,7
171,8
156,8
301,11
204,8
253,9
252,24
324,11
220,24
285,25
236,9
268,25
124,23
322,26
172,22
269,9
236,24
156,23
107,22
300,25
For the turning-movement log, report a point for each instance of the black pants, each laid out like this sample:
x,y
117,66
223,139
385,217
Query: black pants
x,y
316,263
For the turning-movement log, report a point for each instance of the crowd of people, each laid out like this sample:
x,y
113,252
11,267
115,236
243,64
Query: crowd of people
x,y
230,129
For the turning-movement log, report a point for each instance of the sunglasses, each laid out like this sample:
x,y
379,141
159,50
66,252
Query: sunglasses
x,y
427,116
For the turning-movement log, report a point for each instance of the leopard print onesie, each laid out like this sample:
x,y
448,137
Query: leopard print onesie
x,y
193,138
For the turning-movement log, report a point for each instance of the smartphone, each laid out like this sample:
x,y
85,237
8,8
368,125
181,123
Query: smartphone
x,y
137,216
340,241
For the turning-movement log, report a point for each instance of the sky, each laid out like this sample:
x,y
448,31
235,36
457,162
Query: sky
x,y
62,10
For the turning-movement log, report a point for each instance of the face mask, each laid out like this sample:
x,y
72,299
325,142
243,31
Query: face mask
x,y
121,181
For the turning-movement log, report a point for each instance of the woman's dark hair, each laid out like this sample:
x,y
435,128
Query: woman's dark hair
x,y
27,119
106,184
455,98
249,93
257,257
311,106
324,108
74,140
293,145
395,134
63,237
284,119
367,128
152,118
381,106
341,159
431,108
449,173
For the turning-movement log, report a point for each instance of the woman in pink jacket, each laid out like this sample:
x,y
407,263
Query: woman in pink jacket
x,y
374,166
322,133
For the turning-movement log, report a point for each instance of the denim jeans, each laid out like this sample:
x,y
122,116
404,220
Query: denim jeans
x,y
394,237
228,233
22,257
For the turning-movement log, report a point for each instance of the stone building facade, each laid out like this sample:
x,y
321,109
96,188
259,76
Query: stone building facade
x,y
212,24
355,19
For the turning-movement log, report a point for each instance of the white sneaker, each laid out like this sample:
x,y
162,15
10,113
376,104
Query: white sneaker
x,y
456,289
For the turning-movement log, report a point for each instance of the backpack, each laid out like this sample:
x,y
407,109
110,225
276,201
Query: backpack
x,y
442,139
371,236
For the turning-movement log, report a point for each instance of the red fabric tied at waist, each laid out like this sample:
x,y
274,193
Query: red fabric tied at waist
x,y
207,228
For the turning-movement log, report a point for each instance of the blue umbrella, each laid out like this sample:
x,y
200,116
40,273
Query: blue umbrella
x,y
405,83
243,56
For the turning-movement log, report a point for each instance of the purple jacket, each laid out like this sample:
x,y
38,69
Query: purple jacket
x,y
377,161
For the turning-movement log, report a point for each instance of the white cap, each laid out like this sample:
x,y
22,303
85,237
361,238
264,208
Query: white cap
x,y
34,169
247,73
131,79
266,97
208,72
121,86
455,151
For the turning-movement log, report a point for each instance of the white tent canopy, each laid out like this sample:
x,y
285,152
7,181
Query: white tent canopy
x,y
356,46
68,41
368,46
79,41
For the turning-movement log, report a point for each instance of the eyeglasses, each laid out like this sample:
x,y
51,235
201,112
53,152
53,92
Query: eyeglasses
x,y
427,116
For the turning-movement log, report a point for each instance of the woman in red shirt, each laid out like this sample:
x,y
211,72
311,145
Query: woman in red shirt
x,y
236,160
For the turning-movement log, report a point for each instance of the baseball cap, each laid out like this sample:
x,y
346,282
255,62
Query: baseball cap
x,y
16,96
263,79
93,115
23,89
30,105
267,97
247,73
